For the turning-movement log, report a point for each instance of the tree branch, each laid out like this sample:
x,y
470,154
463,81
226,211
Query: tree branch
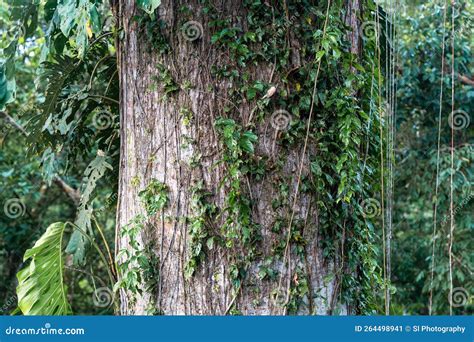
x,y
466,80
13,123
73,194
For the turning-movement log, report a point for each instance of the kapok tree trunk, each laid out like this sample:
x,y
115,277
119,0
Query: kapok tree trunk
x,y
219,241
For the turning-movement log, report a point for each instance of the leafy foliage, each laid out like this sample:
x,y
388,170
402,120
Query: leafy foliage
x,y
77,243
78,80
154,197
422,37
149,6
56,74
131,259
200,229
41,289
138,266
6,89
62,131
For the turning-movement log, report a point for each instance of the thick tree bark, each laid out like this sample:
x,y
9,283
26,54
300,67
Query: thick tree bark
x,y
158,141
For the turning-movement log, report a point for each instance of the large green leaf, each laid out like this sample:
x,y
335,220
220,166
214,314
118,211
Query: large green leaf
x,y
41,289
94,171
66,13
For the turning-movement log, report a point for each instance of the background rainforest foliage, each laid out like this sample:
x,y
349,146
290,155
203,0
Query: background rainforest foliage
x,y
59,131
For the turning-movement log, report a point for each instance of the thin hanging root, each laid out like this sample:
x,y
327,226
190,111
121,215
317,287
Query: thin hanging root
x,y
451,204
390,94
382,189
435,209
287,254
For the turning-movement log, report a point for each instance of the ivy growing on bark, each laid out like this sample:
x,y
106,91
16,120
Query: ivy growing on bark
x,y
78,120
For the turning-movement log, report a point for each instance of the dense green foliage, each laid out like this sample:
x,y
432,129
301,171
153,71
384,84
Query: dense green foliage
x,y
415,180
61,121
62,68
325,99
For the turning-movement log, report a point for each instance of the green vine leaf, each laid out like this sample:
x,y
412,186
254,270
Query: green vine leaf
x,y
149,6
41,289
247,141
7,88
154,197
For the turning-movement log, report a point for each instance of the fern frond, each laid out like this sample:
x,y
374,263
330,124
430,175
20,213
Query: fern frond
x,y
58,75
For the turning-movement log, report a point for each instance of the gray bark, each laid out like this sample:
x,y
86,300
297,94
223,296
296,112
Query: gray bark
x,y
156,143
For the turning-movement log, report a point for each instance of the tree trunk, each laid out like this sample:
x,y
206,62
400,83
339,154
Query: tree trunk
x,y
211,259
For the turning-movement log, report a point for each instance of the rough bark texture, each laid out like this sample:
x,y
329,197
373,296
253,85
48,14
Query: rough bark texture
x,y
157,143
